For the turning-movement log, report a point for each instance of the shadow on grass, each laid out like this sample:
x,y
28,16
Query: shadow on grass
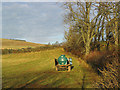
x,y
83,81
41,77
64,69
72,67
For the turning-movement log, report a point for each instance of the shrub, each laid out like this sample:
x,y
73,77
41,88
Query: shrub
x,y
98,59
110,74
19,50
10,50
78,51
29,49
5,51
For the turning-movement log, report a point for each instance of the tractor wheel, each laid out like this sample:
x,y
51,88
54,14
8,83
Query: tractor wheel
x,y
56,68
69,68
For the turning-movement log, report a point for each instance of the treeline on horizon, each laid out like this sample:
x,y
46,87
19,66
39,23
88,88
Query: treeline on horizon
x,y
93,34
18,40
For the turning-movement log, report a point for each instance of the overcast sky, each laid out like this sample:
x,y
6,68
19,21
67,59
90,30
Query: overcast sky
x,y
37,22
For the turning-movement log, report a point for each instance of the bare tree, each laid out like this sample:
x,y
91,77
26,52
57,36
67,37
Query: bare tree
x,y
85,23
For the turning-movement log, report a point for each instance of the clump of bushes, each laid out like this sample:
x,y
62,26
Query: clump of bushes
x,y
98,59
78,51
106,64
109,74
24,50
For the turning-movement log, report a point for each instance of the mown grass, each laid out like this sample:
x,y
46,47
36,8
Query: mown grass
x,y
37,70
14,44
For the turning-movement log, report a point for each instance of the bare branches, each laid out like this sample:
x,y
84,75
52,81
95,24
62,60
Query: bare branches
x,y
93,27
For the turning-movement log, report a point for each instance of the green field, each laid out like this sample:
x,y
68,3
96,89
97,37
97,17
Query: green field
x,y
37,70
16,44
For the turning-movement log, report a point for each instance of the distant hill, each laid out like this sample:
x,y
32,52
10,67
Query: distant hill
x,y
15,44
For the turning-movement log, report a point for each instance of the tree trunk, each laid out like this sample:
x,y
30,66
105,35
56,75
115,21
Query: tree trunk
x,y
98,46
107,47
87,48
116,35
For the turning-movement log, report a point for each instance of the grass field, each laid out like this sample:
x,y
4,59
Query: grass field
x,y
14,44
37,70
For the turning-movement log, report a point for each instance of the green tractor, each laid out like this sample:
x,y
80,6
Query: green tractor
x,y
63,63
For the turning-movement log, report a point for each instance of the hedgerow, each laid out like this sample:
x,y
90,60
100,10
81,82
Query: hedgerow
x,y
24,50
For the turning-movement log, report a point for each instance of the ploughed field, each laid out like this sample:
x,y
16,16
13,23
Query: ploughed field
x,y
37,70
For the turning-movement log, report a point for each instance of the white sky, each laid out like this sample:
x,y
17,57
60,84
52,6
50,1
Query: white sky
x,y
39,22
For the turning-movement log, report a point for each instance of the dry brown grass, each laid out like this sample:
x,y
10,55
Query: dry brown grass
x,y
106,64
110,74
14,44
98,59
